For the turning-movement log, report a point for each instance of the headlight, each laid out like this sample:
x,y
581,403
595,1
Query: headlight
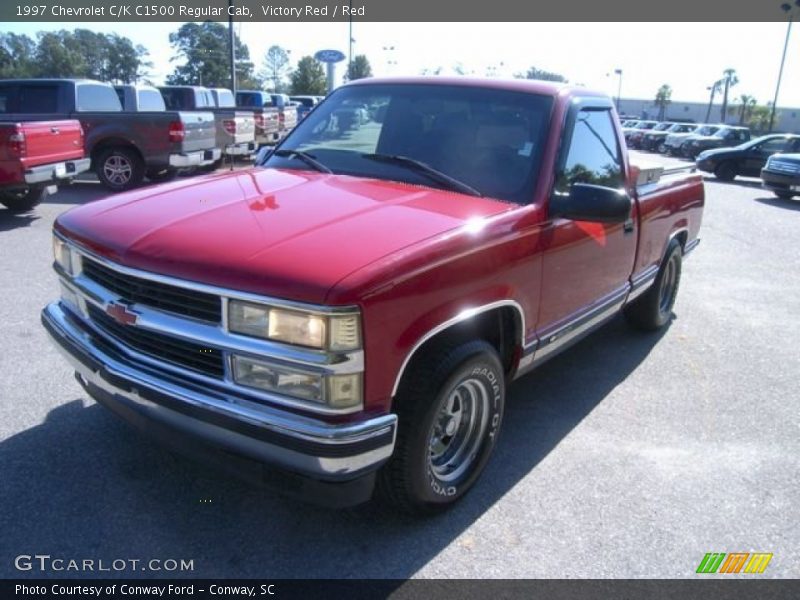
x,y
63,255
301,328
335,391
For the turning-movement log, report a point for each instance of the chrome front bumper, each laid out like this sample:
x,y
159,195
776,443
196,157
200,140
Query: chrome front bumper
x,y
301,445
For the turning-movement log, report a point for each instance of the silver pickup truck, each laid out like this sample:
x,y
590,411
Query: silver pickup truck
x,y
124,146
199,138
235,129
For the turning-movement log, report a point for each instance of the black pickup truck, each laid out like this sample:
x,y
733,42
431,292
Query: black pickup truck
x,y
235,128
124,146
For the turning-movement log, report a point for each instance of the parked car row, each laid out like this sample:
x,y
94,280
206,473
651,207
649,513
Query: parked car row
x,y
775,158
125,133
681,139
727,151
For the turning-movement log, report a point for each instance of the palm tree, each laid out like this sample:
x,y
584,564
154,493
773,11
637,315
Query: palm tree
x,y
746,107
730,79
715,87
663,99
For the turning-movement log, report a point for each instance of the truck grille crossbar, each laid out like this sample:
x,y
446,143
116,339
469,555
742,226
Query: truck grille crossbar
x,y
170,298
189,355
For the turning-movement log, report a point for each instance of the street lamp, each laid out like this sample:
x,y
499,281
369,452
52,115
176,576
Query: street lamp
x,y
787,8
619,84
389,53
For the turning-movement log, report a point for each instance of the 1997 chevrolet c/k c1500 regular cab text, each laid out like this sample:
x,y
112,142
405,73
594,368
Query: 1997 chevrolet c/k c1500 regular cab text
x,y
346,317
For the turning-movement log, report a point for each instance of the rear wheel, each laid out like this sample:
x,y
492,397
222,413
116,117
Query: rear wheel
x,y
119,169
725,171
653,309
662,148
784,195
25,200
449,413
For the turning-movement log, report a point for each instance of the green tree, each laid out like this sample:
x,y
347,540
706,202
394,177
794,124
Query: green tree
x,y
55,58
309,78
729,79
663,100
758,120
84,53
204,49
276,68
542,75
359,68
16,56
747,103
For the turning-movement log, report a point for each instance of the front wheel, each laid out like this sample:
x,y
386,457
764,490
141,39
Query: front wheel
x,y
784,195
653,309
449,413
24,201
725,171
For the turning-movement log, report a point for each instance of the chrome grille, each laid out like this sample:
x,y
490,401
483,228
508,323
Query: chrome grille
x,y
170,298
189,355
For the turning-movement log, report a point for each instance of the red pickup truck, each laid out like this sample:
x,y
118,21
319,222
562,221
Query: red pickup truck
x,y
34,157
347,316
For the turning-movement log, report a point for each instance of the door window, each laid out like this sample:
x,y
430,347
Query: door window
x,y
594,155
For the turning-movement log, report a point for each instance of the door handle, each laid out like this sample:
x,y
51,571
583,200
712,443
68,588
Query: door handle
x,y
627,226
55,130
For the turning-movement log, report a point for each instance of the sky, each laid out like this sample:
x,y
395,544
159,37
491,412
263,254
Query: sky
x,y
687,56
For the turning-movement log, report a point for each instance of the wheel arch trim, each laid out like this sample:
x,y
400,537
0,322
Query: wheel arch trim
x,y
464,315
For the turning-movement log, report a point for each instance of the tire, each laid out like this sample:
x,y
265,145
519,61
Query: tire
x,y
725,171
119,169
662,148
19,202
784,195
653,309
450,408
163,175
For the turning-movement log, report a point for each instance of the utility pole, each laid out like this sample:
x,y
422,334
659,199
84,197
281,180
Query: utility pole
x,y
232,47
786,8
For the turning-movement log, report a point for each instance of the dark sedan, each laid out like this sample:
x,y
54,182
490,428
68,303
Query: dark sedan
x,y
781,174
746,159
726,136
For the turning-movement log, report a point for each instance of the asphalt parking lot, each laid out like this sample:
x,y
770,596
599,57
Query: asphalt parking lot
x,y
630,455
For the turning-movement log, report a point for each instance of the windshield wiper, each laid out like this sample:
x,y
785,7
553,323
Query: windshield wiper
x,y
307,158
424,168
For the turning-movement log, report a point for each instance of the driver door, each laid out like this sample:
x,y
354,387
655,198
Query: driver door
x,y
586,265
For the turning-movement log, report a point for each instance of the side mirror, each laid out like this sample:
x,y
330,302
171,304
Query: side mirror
x,y
262,155
586,202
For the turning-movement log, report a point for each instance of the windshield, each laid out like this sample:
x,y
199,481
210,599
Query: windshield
x,y
707,130
489,139
645,125
663,127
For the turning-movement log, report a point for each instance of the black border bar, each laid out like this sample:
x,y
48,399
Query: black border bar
x,y
443,11
713,588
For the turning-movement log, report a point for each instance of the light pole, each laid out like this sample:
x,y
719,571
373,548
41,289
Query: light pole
x,y
619,86
231,47
350,39
787,8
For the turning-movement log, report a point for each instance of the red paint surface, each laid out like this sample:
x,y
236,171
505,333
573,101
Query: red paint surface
x,y
410,257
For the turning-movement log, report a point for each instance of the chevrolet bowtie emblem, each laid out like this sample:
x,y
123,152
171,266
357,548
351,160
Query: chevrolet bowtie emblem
x,y
121,314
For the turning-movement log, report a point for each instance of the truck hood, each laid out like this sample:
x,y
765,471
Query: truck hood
x,y
284,233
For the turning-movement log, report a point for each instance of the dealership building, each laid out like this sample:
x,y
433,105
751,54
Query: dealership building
x,y
786,119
